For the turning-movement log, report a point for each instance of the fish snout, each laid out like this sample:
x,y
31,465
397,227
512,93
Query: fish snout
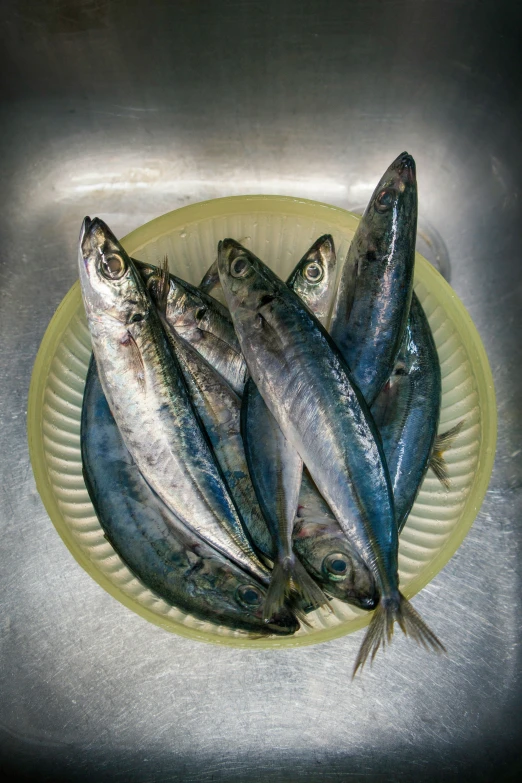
x,y
369,603
406,168
85,228
283,622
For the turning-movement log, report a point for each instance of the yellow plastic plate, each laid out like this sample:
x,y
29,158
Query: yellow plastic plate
x,y
279,230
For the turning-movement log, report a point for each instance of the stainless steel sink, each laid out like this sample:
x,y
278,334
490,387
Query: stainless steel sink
x,y
127,110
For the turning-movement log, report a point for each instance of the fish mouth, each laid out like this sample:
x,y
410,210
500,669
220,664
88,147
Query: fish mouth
x,y
94,236
368,603
228,243
86,225
405,167
283,623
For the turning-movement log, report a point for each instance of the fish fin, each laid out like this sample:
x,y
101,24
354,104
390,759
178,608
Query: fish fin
x,y
300,613
443,443
210,279
290,577
136,362
380,630
163,285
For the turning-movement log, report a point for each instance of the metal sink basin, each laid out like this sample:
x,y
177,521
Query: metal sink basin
x,y
126,111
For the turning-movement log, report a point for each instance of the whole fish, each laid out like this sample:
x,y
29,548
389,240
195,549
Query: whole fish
x,y
203,322
307,386
407,414
373,298
274,464
147,395
160,550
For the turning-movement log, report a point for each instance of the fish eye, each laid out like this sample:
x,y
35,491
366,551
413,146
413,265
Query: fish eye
x,y
239,267
313,272
336,565
112,267
200,313
136,318
400,369
385,200
249,596
152,282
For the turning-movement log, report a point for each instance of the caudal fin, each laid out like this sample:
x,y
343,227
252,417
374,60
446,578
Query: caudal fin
x,y
289,578
380,630
443,443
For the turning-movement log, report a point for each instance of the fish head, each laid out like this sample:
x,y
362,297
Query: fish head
x,y
109,281
243,279
392,209
178,301
233,594
252,599
184,309
313,277
190,311
339,571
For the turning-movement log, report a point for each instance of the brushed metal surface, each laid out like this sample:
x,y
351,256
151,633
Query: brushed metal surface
x,y
127,110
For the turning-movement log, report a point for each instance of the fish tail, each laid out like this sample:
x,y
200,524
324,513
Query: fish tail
x,y
288,578
443,443
380,630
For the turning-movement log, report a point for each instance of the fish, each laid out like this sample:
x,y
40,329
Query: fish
x,y
308,388
147,395
165,555
407,414
274,464
203,322
373,297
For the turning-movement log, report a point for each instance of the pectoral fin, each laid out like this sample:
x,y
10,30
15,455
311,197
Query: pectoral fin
x,y
442,444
